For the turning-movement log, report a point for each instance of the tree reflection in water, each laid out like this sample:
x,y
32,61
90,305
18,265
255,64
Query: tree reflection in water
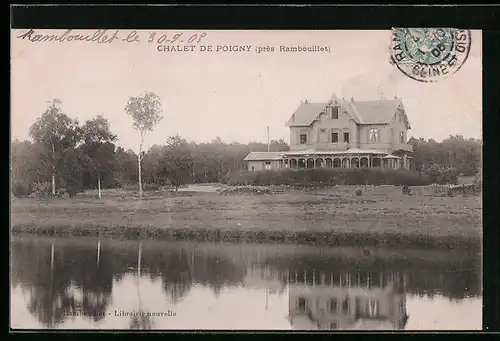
x,y
58,289
142,320
81,280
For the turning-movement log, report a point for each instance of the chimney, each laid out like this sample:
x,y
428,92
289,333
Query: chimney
x,y
395,96
306,101
352,99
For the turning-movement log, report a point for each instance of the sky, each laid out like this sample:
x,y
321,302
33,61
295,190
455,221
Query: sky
x,y
234,95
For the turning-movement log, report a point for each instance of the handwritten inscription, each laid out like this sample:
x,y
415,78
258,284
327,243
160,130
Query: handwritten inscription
x,y
111,36
166,41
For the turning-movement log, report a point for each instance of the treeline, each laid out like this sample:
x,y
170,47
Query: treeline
x,y
66,157
455,152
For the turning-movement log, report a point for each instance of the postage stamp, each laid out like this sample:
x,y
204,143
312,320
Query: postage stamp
x,y
429,54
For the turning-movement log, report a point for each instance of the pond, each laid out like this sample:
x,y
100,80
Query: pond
x,y
84,283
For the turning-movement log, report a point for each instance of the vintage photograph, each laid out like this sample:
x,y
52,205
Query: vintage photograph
x,y
296,180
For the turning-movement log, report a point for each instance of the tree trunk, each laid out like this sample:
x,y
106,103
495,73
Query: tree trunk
x,y
53,170
139,160
53,183
140,177
99,184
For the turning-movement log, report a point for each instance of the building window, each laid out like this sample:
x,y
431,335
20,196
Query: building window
x,y
253,168
345,305
335,113
332,305
302,305
335,137
373,308
402,137
346,137
303,138
333,325
268,162
374,136
322,130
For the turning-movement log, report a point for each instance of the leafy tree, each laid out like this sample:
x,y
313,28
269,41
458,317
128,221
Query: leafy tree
x,y
145,111
126,166
56,132
71,169
454,152
28,166
278,146
99,147
177,163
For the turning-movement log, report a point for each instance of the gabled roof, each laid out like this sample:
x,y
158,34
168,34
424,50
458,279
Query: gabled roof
x,y
362,112
306,113
376,112
263,156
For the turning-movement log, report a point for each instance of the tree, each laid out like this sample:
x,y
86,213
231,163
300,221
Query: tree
x,y
177,163
99,147
145,111
29,166
56,132
278,146
126,169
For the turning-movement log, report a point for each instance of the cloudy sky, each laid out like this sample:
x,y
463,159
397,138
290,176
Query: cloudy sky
x,y
234,95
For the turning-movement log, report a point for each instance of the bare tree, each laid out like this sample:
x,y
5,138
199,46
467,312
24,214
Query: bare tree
x,y
145,110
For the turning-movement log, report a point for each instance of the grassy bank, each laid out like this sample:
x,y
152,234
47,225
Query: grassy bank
x,y
381,217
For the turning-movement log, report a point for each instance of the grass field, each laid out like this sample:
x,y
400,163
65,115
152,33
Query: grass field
x,y
328,216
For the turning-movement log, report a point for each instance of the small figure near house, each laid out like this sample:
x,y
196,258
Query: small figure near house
x,y
406,190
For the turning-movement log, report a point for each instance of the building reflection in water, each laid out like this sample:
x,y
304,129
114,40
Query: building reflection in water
x,y
63,277
327,302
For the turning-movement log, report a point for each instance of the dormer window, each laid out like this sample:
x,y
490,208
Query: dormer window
x,y
333,112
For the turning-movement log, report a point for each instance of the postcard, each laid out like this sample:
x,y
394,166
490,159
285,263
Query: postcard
x,y
246,179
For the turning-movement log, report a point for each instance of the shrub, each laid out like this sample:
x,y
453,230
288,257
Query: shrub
x,y
442,175
62,192
478,183
406,190
20,188
149,187
322,177
359,192
42,189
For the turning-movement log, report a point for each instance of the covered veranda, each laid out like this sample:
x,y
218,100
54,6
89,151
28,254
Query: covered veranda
x,y
346,159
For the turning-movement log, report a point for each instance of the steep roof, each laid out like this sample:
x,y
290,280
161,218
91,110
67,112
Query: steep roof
x,y
362,112
263,156
374,112
306,113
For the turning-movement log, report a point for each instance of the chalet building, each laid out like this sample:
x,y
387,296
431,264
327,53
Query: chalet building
x,y
345,303
343,133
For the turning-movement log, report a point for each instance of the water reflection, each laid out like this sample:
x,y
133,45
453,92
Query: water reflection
x,y
84,283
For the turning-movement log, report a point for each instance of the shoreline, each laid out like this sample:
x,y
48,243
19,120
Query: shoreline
x,y
360,239
382,216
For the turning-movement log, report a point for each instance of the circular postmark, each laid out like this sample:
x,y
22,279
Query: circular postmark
x,y
429,54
